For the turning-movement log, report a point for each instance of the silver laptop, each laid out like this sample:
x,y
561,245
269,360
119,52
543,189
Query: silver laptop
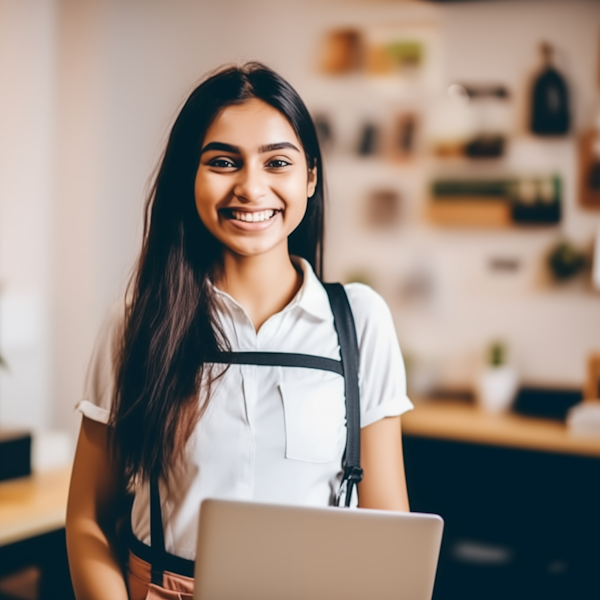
x,y
249,551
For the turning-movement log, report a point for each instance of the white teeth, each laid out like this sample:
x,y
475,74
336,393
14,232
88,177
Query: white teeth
x,y
252,217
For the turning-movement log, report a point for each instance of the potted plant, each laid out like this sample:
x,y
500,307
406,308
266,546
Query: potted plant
x,y
497,383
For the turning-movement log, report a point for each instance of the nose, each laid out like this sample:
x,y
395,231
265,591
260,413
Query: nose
x,y
250,184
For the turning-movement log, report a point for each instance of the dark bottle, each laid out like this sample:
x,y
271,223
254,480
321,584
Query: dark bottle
x,y
550,100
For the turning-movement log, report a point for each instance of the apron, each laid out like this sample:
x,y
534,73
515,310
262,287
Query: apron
x,y
139,582
153,573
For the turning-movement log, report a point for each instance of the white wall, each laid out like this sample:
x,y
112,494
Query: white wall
x,y
91,90
27,145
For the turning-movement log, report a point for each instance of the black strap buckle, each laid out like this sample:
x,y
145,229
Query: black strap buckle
x,y
352,476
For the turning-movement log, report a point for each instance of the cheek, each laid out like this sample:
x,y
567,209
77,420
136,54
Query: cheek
x,y
301,199
296,193
205,196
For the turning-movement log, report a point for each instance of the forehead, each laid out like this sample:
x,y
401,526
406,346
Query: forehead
x,y
251,124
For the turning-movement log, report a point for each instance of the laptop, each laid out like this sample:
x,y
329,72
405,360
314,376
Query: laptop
x,y
251,551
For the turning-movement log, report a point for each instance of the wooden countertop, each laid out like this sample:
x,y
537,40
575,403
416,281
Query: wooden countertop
x,y
459,421
33,505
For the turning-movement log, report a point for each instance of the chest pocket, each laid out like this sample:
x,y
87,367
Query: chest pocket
x,y
315,419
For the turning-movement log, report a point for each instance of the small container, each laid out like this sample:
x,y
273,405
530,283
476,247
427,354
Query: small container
x,y
497,388
497,383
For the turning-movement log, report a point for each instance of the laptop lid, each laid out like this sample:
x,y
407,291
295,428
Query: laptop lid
x,y
251,551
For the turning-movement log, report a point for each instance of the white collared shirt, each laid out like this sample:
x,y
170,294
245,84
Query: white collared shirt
x,y
269,434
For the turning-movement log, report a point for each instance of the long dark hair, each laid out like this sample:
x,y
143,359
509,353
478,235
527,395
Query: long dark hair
x,y
170,330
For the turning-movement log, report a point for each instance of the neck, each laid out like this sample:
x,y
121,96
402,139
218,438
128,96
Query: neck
x,y
263,284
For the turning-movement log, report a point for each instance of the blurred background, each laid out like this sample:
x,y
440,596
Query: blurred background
x,y
402,92
462,153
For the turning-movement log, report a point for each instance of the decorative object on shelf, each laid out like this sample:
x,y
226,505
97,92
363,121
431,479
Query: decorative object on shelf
x,y
342,52
386,56
565,261
406,53
485,146
470,203
589,167
592,385
383,208
403,136
15,454
584,418
451,123
546,402
324,131
473,122
550,98
368,144
504,264
589,156
497,383
537,201
489,103
496,202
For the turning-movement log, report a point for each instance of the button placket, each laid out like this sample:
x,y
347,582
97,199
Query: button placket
x,y
250,389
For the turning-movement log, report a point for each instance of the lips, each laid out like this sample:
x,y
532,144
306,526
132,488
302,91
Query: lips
x,y
250,216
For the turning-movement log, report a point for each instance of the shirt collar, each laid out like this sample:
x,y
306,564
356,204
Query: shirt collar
x,y
311,297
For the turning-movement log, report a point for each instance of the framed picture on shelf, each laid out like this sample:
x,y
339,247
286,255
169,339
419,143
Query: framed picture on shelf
x,y
408,53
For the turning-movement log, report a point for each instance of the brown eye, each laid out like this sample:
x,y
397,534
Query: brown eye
x,y
278,163
222,163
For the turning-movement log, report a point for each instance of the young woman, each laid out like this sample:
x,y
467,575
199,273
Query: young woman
x,y
231,261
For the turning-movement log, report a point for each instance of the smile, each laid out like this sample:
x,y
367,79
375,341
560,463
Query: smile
x,y
252,217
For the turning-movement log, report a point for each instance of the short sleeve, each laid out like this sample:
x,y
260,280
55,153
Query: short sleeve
x,y
382,377
99,381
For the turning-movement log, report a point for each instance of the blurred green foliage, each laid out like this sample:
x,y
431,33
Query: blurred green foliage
x,y
497,354
566,261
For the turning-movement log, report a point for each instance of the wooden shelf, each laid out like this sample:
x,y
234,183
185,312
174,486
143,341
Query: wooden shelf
x,y
470,212
462,422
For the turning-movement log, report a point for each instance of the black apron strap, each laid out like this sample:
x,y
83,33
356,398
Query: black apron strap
x,y
344,325
347,367
157,535
279,359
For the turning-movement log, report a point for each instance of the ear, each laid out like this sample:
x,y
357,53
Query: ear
x,y
312,182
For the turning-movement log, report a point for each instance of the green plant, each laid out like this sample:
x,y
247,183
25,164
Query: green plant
x,y
497,354
565,261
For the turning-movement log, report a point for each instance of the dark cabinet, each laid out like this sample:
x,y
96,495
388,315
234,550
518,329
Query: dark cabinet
x,y
518,523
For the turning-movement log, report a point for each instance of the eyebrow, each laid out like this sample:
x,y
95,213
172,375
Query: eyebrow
x,y
222,147
278,146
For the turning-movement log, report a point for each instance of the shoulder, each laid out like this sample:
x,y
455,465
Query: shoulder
x,y
382,377
108,339
363,298
99,381
370,311
113,323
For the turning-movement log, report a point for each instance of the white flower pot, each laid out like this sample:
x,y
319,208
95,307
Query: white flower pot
x,y
497,388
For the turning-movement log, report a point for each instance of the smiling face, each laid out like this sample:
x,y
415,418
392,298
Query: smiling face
x,y
253,182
